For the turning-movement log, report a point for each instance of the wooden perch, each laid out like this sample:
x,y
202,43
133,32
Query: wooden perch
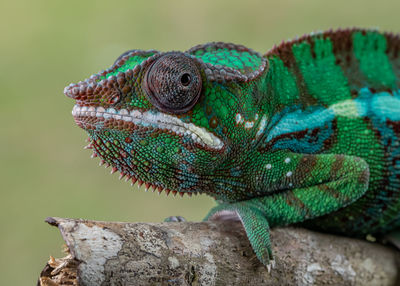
x,y
211,253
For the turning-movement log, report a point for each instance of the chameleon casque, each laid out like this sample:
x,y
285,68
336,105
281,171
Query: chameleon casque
x,y
308,133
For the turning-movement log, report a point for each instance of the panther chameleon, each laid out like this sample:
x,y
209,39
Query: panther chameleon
x,y
307,133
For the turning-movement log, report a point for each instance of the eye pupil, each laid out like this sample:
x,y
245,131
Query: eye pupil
x,y
185,79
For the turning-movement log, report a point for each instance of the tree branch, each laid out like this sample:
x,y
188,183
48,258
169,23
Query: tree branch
x,y
211,253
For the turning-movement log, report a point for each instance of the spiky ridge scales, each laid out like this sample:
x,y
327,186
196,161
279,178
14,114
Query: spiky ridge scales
x,y
308,134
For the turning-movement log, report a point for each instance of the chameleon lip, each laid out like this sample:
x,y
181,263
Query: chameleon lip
x,y
154,119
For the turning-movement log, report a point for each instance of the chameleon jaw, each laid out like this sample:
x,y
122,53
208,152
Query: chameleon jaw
x,y
153,119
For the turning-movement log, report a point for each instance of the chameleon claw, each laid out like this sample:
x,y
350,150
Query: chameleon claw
x,y
270,265
175,219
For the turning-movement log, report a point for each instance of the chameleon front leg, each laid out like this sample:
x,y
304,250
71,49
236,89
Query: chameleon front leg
x,y
340,181
254,221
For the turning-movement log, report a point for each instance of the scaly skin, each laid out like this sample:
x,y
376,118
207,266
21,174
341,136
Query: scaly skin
x,y
308,133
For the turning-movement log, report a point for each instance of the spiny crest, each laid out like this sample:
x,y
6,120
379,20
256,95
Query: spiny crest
x,y
342,41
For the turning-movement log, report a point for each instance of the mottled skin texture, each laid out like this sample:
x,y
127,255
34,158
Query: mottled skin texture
x,y
307,133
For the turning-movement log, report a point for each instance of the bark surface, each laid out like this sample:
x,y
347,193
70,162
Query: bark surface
x,y
211,253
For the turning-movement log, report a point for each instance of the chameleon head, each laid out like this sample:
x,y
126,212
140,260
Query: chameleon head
x,y
169,120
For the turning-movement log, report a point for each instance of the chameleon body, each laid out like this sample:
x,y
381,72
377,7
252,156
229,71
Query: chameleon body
x,y
307,133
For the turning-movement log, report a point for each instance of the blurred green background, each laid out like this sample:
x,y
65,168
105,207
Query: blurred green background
x,y
45,45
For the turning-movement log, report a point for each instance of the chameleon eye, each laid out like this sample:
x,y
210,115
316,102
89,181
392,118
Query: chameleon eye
x,y
173,83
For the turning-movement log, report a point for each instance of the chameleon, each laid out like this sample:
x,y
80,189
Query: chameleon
x,y
306,134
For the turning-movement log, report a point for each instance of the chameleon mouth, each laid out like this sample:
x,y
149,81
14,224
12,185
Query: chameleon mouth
x,y
155,120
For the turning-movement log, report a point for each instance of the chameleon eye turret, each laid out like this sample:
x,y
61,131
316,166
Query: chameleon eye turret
x,y
173,83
